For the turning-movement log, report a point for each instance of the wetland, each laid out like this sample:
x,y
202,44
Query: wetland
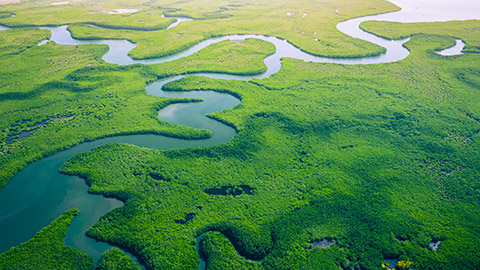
x,y
41,194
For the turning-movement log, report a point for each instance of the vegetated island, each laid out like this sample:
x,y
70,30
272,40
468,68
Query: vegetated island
x,y
382,159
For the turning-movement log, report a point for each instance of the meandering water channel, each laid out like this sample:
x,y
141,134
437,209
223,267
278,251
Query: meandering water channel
x,y
39,193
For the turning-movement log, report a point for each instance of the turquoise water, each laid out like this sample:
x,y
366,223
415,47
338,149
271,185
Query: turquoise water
x,y
39,193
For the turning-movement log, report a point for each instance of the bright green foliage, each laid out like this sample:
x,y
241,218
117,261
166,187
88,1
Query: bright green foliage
x,y
381,158
326,258
219,253
115,259
232,57
46,250
15,41
109,14
81,98
310,25
5,14
27,71
468,31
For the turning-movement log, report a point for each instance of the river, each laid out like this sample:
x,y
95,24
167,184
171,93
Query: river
x,y
39,193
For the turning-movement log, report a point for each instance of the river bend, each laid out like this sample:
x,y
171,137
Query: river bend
x,y
39,193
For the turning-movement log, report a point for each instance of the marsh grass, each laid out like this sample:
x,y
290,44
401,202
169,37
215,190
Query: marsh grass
x,y
311,26
381,158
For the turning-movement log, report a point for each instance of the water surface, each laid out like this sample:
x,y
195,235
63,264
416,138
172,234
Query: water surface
x,y
38,194
455,50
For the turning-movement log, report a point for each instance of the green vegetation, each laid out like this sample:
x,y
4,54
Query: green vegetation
x,y
219,253
381,158
20,40
115,259
468,31
46,250
63,95
104,14
310,26
5,14
232,57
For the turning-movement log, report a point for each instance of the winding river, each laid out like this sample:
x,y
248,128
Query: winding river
x,y
39,193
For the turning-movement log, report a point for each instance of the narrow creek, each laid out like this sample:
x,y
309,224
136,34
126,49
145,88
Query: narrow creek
x,y
39,193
